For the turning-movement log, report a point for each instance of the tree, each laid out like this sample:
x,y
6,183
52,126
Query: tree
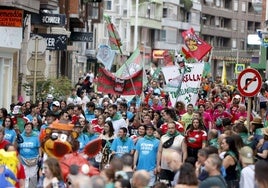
x,y
59,87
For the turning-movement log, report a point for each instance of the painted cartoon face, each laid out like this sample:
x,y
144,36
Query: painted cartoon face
x,y
191,44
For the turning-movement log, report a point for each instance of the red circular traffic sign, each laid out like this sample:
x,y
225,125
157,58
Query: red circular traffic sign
x,y
249,82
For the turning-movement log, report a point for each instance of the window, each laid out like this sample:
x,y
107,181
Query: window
x,y
243,7
165,12
171,36
242,27
108,4
163,35
125,12
218,3
234,25
235,5
233,43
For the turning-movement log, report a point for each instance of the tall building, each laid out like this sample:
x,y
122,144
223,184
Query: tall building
x,y
151,25
226,26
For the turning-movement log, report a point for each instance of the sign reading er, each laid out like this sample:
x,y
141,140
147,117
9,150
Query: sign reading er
x,y
55,42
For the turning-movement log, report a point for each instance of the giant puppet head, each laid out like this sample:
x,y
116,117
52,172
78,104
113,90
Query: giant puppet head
x,y
59,140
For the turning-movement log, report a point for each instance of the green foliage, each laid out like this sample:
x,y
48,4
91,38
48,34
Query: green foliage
x,y
187,4
58,87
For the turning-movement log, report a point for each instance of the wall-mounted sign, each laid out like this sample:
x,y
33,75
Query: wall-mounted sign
x,y
53,19
81,37
48,19
239,68
54,41
11,18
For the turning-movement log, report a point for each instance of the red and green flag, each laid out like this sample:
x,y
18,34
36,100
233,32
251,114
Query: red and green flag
x,y
131,66
114,38
109,83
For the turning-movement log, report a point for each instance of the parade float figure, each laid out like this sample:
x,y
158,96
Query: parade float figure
x,y
8,168
60,141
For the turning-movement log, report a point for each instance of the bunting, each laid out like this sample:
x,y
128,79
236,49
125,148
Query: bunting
x,y
131,66
197,48
108,83
106,56
114,38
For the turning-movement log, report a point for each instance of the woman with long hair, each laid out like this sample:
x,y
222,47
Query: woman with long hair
x,y
196,137
107,138
3,115
52,175
10,133
180,108
100,124
187,178
37,123
157,119
230,161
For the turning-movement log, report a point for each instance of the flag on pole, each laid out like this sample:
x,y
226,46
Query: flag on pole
x,y
197,48
106,56
131,66
114,38
108,83
224,74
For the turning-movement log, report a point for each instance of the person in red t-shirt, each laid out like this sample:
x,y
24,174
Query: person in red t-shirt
x,y
196,138
3,142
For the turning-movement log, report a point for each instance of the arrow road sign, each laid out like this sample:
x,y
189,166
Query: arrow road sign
x,y
249,82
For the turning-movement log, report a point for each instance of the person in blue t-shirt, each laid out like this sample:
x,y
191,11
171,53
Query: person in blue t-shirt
x,y
90,133
146,152
30,153
122,144
10,133
89,112
82,138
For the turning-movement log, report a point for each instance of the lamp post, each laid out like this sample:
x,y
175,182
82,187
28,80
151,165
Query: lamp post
x,y
136,25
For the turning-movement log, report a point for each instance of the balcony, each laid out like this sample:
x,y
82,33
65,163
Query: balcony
x,y
27,5
216,31
49,4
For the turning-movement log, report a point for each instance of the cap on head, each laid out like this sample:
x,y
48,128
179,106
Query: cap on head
x,y
246,154
56,103
50,97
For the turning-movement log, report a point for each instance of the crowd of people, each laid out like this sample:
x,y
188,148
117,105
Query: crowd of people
x,y
146,142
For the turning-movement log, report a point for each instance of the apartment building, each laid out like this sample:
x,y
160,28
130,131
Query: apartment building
x,y
226,24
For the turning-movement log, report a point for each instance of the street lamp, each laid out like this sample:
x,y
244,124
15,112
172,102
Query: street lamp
x,y
136,25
